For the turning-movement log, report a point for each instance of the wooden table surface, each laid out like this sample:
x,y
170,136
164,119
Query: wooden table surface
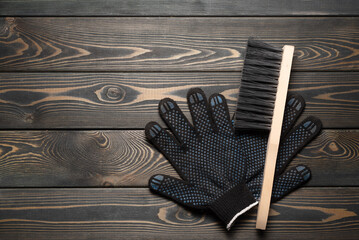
x,y
79,81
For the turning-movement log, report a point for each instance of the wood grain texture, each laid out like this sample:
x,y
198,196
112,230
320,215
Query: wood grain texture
x,y
125,158
309,213
130,100
171,44
98,73
178,8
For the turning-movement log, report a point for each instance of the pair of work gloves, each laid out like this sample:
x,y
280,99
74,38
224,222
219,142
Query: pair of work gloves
x,y
222,169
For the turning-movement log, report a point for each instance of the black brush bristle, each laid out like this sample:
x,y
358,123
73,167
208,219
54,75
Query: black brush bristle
x,y
258,87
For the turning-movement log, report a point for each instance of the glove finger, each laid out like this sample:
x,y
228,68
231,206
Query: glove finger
x,y
289,181
201,113
221,114
163,141
295,141
178,190
176,121
283,184
294,107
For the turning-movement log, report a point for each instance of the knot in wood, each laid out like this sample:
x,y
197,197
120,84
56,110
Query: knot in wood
x,y
114,93
29,117
111,94
108,184
10,20
333,147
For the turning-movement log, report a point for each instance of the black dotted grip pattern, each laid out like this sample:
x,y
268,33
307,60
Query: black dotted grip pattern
x,y
212,159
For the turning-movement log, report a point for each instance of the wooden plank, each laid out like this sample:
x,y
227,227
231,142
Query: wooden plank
x,y
310,213
125,158
171,44
176,8
129,100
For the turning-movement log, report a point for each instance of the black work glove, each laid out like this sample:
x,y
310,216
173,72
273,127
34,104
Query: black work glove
x,y
208,156
217,165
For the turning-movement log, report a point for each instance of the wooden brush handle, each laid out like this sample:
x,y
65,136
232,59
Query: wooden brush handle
x,y
274,137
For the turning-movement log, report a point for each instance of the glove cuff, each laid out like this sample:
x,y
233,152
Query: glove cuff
x,y
233,203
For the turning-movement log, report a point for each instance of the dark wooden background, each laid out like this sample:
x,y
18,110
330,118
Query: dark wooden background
x,y
80,79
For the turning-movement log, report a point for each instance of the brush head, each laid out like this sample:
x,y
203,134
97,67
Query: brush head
x,y
258,86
